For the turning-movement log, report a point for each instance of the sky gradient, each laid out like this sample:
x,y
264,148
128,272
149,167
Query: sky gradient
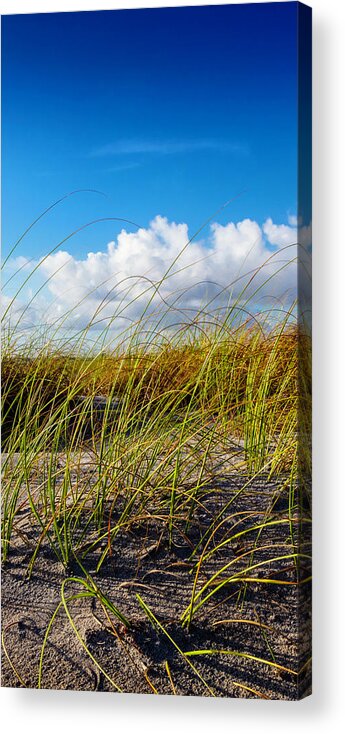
x,y
154,119
167,111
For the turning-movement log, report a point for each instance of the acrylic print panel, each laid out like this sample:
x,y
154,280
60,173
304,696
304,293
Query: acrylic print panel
x,y
156,493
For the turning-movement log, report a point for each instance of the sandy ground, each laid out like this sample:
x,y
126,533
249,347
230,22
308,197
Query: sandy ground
x,y
271,622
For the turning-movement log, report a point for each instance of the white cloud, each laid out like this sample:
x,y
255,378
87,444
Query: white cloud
x,y
19,263
282,235
27,313
279,234
305,236
158,269
237,245
167,147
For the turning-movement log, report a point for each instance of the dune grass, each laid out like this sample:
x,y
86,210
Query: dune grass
x,y
159,411
172,406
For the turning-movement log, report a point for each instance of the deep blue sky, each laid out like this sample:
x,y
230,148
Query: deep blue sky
x,y
167,111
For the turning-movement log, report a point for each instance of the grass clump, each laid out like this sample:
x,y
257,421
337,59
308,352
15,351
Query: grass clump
x,y
181,429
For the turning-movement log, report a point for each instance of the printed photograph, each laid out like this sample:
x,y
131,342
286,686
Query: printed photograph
x,y
156,351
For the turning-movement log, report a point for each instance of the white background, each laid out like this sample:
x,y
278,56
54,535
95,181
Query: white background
x,y
52,711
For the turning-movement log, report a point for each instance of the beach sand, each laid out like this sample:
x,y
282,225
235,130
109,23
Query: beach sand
x,y
271,622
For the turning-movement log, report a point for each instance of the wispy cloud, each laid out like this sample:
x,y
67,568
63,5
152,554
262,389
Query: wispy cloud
x,y
122,167
168,147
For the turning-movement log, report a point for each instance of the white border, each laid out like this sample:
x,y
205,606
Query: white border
x,y
52,711
49,6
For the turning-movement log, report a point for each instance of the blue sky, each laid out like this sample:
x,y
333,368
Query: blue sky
x,y
159,116
167,111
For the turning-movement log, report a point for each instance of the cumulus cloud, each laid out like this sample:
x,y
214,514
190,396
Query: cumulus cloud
x,y
19,263
279,234
305,236
157,270
24,313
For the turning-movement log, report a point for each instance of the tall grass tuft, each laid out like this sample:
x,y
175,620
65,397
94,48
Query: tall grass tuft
x,y
100,433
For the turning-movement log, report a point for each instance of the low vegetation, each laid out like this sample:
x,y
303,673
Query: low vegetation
x,y
96,444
